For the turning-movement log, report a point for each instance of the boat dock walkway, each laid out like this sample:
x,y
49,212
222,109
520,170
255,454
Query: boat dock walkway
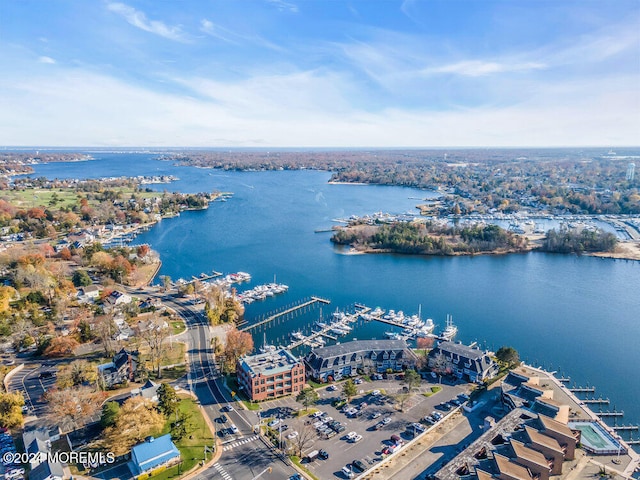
x,y
348,318
287,311
610,414
583,389
601,401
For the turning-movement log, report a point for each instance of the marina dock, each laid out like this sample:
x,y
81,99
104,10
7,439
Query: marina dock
x,y
296,306
583,390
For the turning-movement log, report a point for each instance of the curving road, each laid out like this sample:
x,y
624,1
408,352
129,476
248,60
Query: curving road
x,y
245,455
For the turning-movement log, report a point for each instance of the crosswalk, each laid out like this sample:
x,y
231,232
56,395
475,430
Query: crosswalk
x,y
222,471
239,442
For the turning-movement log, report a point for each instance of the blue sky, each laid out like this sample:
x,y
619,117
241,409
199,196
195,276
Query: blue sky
x,y
324,73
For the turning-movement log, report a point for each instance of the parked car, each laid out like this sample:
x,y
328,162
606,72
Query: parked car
x,y
386,420
356,439
359,465
224,419
332,388
378,426
323,455
358,381
233,428
375,415
347,471
273,422
375,393
350,435
339,428
283,428
292,435
396,439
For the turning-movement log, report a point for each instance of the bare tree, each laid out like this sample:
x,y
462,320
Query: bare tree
x,y
305,437
154,333
105,329
73,407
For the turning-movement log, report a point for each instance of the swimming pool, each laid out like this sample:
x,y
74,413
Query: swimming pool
x,y
596,439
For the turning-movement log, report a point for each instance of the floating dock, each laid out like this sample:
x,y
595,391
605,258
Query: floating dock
x,y
583,390
602,401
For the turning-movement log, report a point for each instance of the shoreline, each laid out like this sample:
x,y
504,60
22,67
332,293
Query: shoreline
x,y
375,251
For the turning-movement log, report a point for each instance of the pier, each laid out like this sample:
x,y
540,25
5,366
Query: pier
x,y
295,307
308,339
583,390
602,401
564,379
627,428
610,414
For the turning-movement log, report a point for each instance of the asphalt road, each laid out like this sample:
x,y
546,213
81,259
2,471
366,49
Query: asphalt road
x,y
244,455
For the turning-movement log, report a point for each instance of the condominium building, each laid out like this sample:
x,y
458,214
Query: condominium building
x,y
270,375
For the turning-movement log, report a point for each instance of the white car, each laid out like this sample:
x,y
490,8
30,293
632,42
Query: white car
x,y
233,428
356,439
327,419
346,470
375,393
351,435
274,422
318,424
292,435
317,414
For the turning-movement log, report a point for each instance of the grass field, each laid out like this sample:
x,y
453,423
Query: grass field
x,y
192,446
66,197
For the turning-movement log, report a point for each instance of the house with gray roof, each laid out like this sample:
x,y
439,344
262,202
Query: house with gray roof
x,y
344,359
465,362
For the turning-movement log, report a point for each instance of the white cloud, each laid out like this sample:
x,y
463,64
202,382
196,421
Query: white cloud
x,y
45,59
479,68
138,19
310,108
284,6
234,37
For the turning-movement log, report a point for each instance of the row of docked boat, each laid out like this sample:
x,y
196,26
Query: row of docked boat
x,y
261,292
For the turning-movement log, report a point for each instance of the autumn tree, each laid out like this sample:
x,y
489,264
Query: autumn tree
x,y
11,409
349,389
238,344
73,407
76,373
137,419
61,347
142,251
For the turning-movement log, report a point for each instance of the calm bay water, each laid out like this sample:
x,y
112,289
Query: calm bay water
x,y
578,315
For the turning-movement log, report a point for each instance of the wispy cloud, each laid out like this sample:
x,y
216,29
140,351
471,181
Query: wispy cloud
x,y
480,68
216,31
138,19
284,6
235,38
45,59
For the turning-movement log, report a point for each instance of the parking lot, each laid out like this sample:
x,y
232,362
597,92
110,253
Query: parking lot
x,y
372,437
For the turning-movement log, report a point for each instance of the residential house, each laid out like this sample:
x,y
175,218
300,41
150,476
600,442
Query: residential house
x,y
122,368
89,293
47,471
465,362
115,299
149,391
153,453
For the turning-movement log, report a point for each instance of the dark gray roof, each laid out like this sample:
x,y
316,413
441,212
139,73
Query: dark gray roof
x,y
462,350
45,469
359,346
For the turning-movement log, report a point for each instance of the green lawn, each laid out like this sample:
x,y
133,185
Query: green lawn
x,y
35,197
177,326
433,391
191,449
251,405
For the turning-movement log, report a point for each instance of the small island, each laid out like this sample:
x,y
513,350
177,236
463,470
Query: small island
x,y
435,238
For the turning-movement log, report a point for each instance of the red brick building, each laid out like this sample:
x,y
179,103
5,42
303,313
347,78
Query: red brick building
x,y
270,375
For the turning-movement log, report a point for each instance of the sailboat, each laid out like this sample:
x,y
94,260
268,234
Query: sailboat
x,y
266,348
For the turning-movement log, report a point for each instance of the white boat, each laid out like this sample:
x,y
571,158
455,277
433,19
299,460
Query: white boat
x,y
298,335
392,335
451,330
266,348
